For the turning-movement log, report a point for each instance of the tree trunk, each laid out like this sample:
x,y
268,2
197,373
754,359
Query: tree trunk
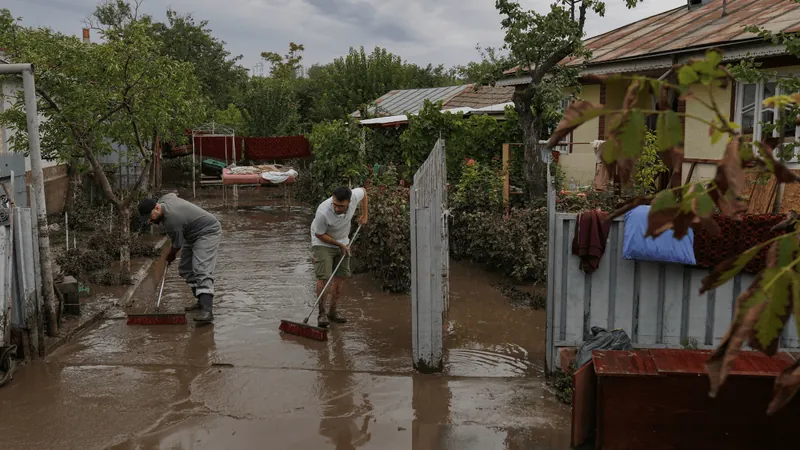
x,y
535,167
125,249
73,174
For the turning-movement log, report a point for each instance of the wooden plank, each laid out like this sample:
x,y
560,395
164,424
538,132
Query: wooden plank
x,y
698,307
724,297
414,276
673,304
600,286
624,298
584,404
574,284
559,271
648,302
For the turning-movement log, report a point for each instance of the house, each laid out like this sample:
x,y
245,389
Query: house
x,y
56,178
653,45
391,108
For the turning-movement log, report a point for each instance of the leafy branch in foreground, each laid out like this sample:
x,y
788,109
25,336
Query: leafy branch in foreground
x,y
763,310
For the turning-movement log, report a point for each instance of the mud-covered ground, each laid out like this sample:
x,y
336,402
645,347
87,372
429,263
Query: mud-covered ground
x,y
240,384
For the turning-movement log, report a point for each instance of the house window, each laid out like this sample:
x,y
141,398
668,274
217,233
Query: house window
x,y
752,115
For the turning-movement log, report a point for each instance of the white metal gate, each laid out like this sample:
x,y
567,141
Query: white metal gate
x,y
429,260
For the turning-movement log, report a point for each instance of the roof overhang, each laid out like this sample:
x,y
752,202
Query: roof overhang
x,y
735,51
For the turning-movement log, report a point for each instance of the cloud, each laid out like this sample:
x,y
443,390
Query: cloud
x,y
421,31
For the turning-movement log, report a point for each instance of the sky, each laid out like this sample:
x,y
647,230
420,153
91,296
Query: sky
x,y
420,31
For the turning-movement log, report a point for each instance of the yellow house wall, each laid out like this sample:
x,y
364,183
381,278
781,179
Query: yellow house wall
x,y
580,164
697,142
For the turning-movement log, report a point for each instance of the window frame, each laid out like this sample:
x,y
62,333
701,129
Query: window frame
x,y
758,112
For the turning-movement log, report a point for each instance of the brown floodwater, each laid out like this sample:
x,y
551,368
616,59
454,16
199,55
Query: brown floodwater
x,y
241,384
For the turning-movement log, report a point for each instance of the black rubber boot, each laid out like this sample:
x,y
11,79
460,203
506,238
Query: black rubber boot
x,y
206,302
322,318
334,316
196,305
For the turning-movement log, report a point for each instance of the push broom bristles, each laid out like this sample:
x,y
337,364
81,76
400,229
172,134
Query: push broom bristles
x,y
157,319
304,330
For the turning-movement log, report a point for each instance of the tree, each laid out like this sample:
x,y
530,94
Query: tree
x,y
764,308
221,76
354,81
96,99
537,44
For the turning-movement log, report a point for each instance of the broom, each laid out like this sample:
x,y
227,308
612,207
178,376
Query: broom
x,y
157,318
310,331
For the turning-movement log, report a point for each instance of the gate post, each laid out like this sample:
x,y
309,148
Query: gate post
x,y
429,285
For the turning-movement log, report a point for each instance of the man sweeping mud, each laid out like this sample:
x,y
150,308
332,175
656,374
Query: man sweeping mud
x,y
330,236
196,233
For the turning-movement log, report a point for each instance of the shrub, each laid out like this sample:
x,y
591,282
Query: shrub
x,y
385,247
517,245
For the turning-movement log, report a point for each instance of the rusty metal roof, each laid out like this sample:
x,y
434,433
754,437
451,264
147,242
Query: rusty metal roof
x,y
481,97
655,362
399,102
682,29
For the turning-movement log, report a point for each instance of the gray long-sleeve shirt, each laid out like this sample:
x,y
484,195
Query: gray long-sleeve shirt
x,y
184,221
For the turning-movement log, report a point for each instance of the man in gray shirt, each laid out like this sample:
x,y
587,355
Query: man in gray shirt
x,y
196,233
330,236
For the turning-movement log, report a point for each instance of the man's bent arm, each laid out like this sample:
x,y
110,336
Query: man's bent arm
x,y
329,240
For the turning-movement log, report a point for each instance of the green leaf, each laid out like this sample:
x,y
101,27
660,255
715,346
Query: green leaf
x,y
669,130
632,134
726,270
770,323
796,302
687,76
716,136
704,204
663,200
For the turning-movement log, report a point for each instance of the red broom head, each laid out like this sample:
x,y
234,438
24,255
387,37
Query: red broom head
x,y
156,319
304,330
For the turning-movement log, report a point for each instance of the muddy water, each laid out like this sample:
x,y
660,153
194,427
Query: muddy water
x,y
240,384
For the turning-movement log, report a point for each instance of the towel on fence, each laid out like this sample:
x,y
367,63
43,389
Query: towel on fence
x,y
591,235
279,177
664,248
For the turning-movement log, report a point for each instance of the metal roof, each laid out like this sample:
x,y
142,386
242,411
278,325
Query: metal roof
x,y
480,97
398,102
683,29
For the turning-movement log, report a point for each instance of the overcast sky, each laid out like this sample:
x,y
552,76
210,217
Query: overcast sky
x,y
421,31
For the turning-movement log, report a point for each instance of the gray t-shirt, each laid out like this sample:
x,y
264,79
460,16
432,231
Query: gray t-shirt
x,y
184,221
326,221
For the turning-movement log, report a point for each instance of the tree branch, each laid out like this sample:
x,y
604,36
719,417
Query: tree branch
x,y
539,73
100,174
145,171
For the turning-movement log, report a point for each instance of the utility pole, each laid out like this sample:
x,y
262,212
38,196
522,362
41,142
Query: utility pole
x,y
37,178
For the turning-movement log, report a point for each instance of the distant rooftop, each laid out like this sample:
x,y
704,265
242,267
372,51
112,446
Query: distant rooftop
x,y
465,97
398,102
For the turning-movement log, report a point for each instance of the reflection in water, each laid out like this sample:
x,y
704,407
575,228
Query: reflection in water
x,y
338,422
431,403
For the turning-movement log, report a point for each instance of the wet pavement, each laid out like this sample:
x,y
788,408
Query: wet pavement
x,y
241,384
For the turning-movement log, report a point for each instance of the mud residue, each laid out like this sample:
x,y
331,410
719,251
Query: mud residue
x,y
242,384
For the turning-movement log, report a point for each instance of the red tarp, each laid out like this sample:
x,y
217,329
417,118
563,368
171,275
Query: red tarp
x,y
271,148
255,148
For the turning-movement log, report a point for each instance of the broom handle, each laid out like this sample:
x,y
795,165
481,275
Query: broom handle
x,y
161,291
319,297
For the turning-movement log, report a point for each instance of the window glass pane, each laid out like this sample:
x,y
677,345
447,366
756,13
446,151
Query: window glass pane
x,y
768,114
748,108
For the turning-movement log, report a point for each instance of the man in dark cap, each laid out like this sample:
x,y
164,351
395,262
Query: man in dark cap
x,y
196,233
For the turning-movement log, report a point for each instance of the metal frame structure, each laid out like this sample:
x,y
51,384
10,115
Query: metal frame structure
x,y
213,130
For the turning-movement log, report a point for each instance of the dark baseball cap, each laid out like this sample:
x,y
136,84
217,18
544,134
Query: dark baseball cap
x,y
146,207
